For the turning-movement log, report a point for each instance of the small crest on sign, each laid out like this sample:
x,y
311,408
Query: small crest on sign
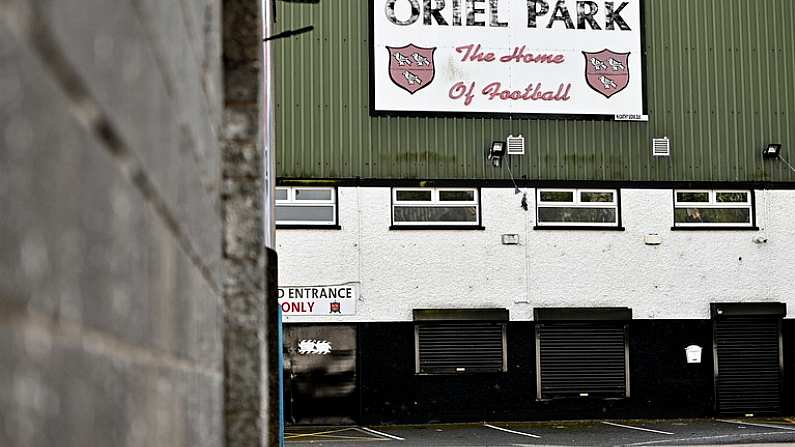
x,y
411,67
606,71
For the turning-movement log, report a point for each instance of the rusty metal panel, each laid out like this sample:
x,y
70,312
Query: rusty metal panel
x,y
720,80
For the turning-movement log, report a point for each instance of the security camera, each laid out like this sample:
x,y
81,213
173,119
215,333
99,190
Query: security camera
x,y
760,240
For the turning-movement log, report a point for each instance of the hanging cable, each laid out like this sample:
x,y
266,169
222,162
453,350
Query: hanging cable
x,y
516,189
786,163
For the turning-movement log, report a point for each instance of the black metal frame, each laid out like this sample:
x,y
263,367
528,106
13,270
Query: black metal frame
x,y
309,226
392,226
619,222
708,227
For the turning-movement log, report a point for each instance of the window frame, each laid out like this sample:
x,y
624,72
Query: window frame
x,y
435,202
749,204
293,202
578,203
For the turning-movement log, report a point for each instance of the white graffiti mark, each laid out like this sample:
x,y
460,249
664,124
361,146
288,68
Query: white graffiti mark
x,y
317,347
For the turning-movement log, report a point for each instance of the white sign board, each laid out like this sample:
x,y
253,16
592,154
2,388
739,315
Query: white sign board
x,y
318,301
508,56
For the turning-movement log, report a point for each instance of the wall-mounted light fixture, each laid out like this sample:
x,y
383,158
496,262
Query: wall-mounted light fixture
x,y
772,150
496,152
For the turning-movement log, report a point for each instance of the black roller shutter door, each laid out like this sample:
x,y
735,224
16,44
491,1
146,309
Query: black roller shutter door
x,y
748,364
460,347
583,359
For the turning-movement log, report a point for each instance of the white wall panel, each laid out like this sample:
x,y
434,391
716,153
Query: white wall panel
x,y
400,270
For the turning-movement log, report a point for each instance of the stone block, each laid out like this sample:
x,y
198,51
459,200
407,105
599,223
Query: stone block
x,y
242,355
242,84
240,24
185,74
241,123
207,338
243,428
44,180
195,16
62,389
244,304
79,240
243,230
213,63
242,160
8,419
68,397
119,66
203,420
197,319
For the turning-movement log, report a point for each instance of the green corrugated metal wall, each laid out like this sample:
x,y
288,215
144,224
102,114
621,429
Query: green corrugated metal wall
x,y
720,83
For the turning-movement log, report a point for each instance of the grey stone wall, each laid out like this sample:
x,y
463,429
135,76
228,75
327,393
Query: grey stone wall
x,y
249,336
111,264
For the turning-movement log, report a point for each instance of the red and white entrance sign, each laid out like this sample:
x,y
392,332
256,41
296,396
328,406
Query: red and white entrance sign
x,y
508,56
318,301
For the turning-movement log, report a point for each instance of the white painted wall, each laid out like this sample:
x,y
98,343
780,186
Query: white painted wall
x,y
404,270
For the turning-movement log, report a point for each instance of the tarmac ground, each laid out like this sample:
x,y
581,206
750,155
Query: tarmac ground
x,y
741,431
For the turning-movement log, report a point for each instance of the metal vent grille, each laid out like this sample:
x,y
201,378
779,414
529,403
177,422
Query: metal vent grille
x,y
661,147
455,348
582,359
515,145
749,367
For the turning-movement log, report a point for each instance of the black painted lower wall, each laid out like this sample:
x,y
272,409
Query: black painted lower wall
x,y
662,384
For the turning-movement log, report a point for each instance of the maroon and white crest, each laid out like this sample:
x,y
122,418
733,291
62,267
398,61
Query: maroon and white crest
x,y
607,72
335,307
411,67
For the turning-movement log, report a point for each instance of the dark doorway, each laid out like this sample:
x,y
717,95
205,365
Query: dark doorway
x,y
748,358
320,374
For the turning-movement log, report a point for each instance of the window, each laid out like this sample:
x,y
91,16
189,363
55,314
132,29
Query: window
x,y
582,352
577,208
306,206
713,208
435,207
460,341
